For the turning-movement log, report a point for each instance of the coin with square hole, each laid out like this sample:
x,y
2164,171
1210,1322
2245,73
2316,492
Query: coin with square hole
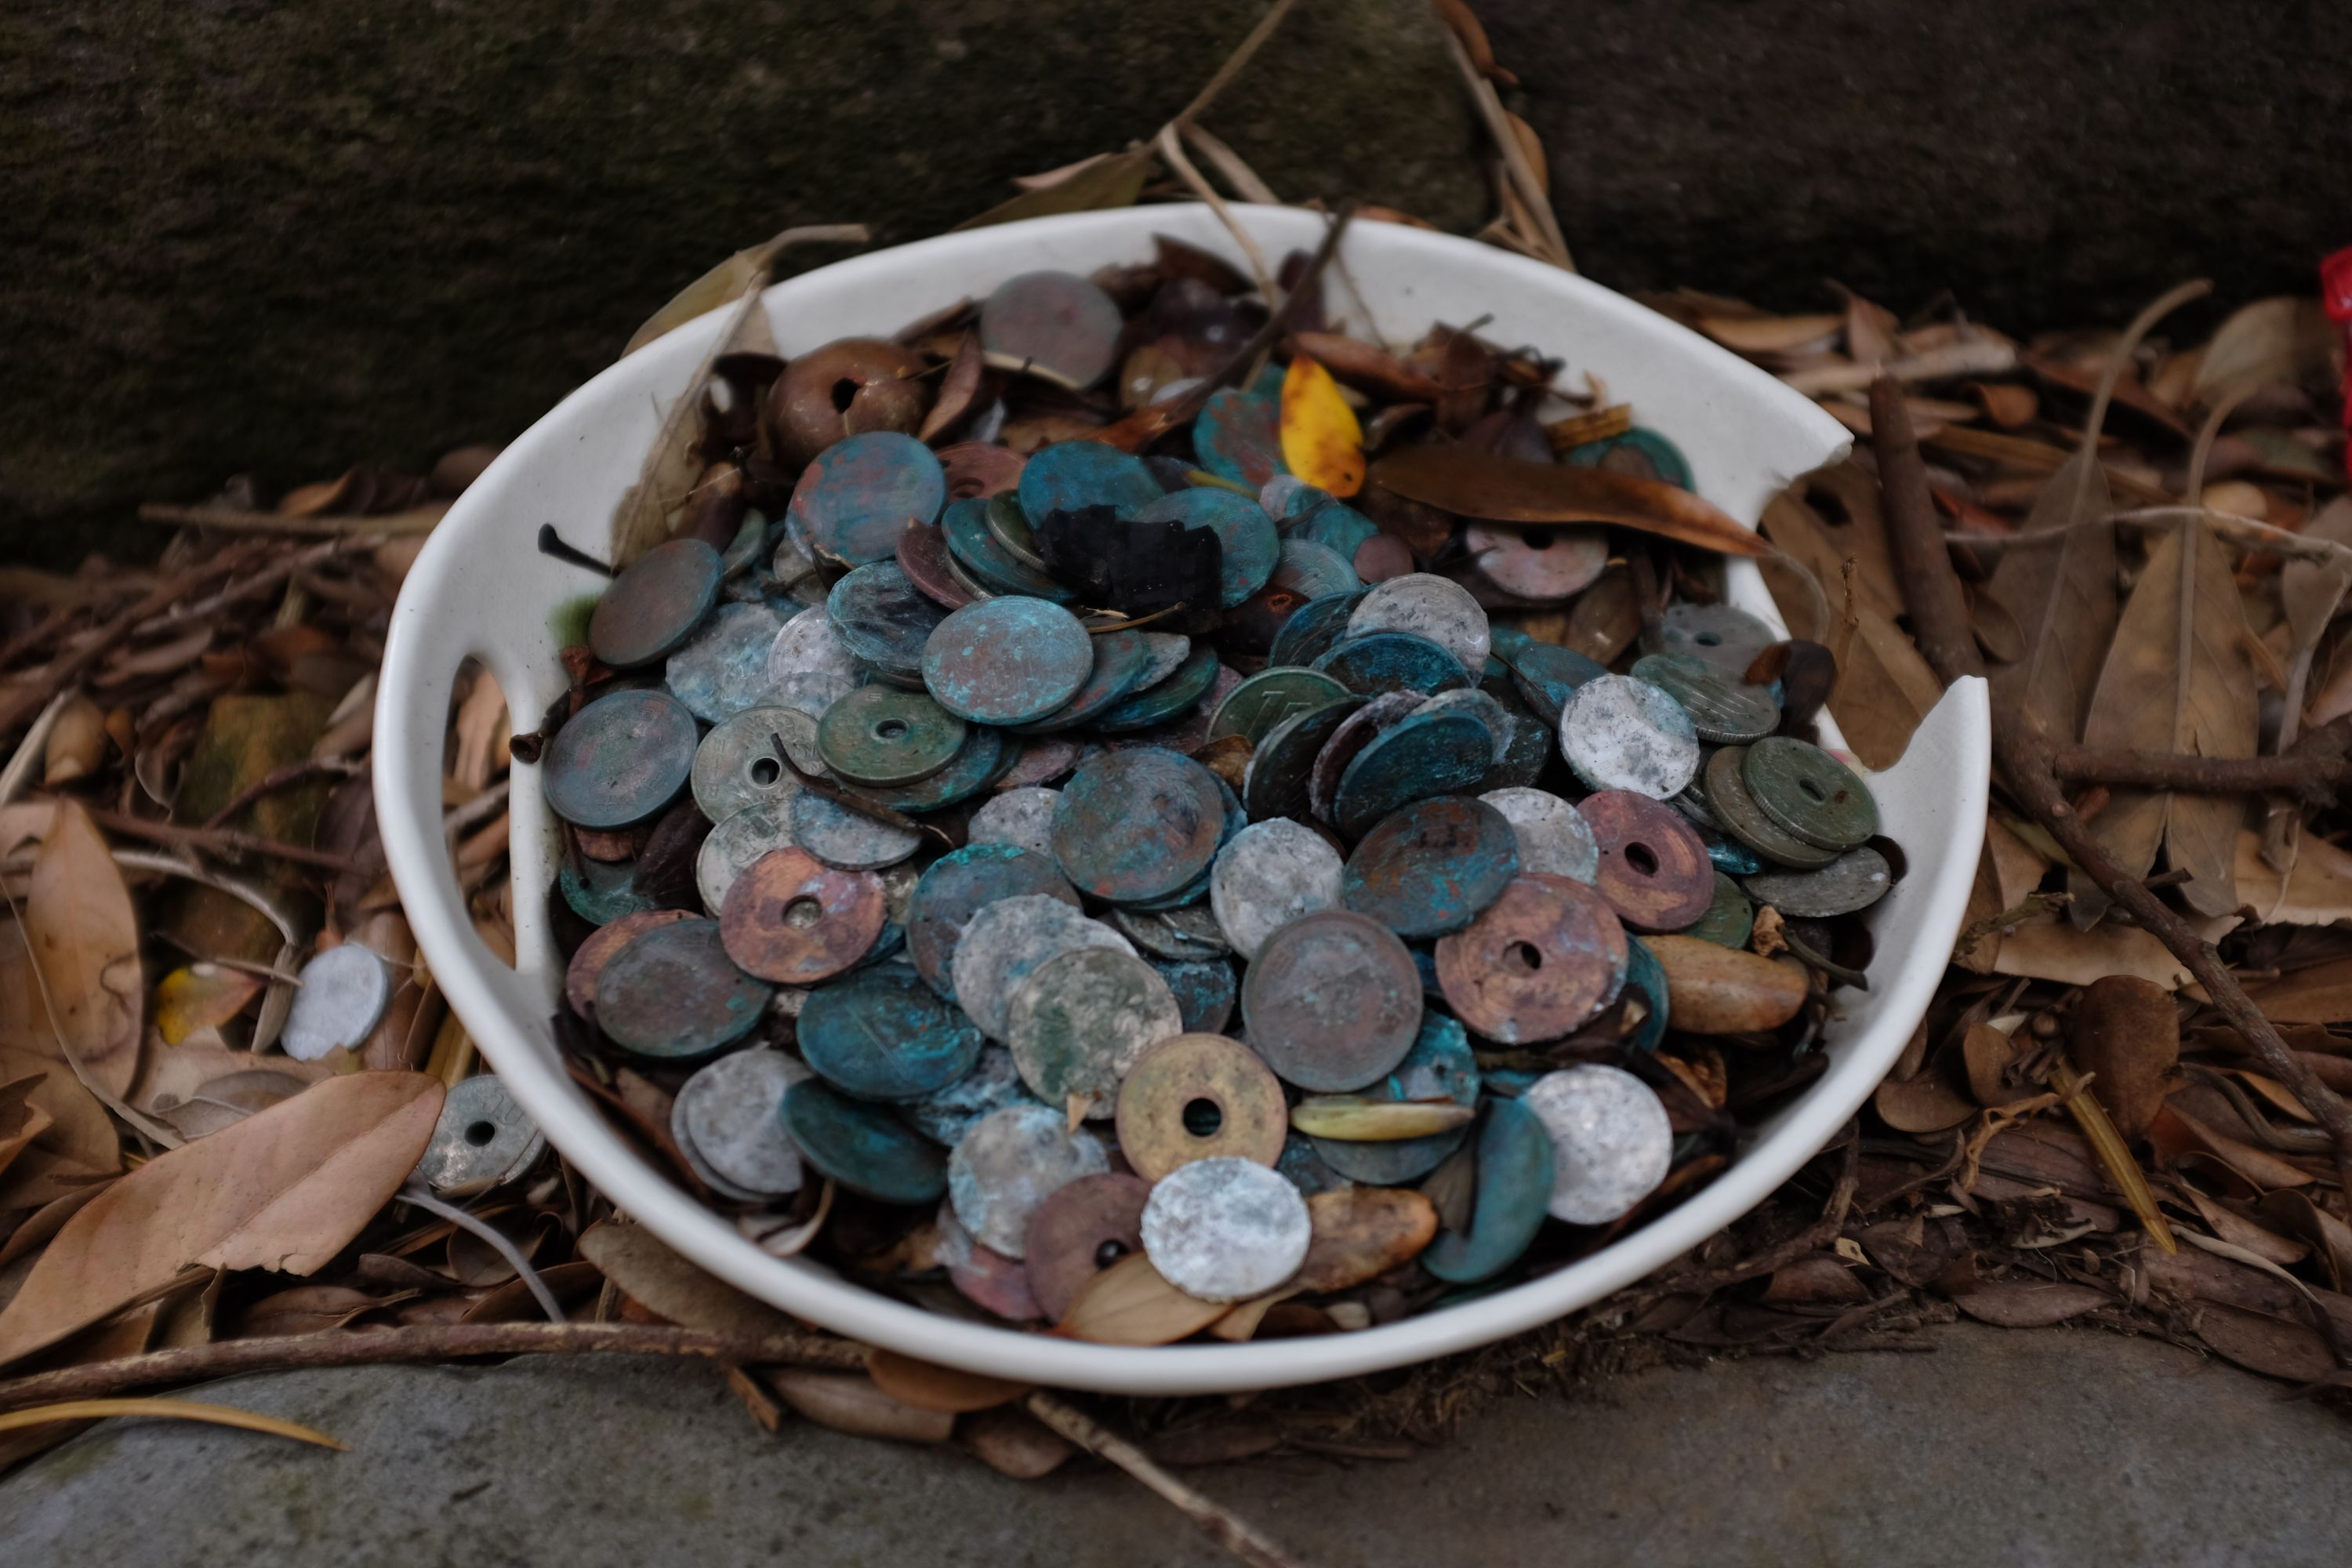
x,y
1547,956
1199,1097
1653,867
620,759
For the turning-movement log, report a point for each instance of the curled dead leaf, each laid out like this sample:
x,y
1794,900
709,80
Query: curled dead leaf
x,y
1130,1303
1512,490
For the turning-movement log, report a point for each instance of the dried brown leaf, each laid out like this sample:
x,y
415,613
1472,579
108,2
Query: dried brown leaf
x,y
2127,1035
2272,1346
1361,1233
850,1402
649,1273
1130,1304
2028,1303
1514,489
2060,591
927,1385
83,935
1106,180
2287,340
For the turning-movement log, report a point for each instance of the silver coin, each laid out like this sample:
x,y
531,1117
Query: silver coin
x,y
1553,834
1164,653
1726,637
991,1085
1010,1163
811,691
733,1109
342,997
1610,1142
1018,816
1618,732
1854,880
1268,874
1224,1229
482,1140
737,767
809,646
679,1135
1430,606
1006,940
1078,1022
845,839
723,667
733,844
1187,934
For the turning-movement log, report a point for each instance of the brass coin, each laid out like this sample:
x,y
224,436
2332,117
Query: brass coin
x,y
1198,1097
1728,800
1809,793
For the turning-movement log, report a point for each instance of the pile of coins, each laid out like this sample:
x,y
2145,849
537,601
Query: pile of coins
x,y
1368,922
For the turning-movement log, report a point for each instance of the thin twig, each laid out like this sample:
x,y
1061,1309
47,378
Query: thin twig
x,y
1976,356
1522,172
1821,1233
278,779
872,810
499,1243
1171,152
1240,175
1214,1521
233,520
425,1343
221,841
2314,774
1241,55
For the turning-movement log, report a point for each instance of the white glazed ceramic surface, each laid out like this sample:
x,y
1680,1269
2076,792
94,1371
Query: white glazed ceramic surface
x,y
482,589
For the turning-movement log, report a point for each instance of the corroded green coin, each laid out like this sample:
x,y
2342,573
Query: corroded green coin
x,y
601,891
1007,661
1137,824
673,993
1727,798
1728,918
1122,660
1009,526
958,886
1548,676
656,602
882,1034
1644,453
1158,704
1514,1191
1431,867
975,547
1809,793
1205,989
1392,662
863,1147
1440,1065
1723,708
861,492
1423,755
620,759
881,735
1269,697
1645,978
1080,1021
722,668
1854,880
1071,475
1313,627
1313,570
1238,437
1276,783
882,617
971,771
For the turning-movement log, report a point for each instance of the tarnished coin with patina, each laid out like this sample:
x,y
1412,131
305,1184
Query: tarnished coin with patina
x,y
1224,1229
862,1146
792,919
1541,564
1653,868
979,550
969,772
1808,794
730,849
1206,992
601,891
1375,662
732,1112
1522,745
1553,837
1310,570
1854,880
1250,547
1515,1180
945,1117
1082,1228
1431,867
1057,325
1441,1065
1354,733
1007,661
1742,818
1180,935
1427,605
1621,733
1198,1097
1007,1166
1729,916
808,647
1546,957
881,617
1149,705
923,555
1069,476
656,602
1078,1022
1611,1145
673,994
482,1140
1121,662
1310,630
1333,1001
1137,824
588,960
723,667
1723,709
1268,874
1423,755
1644,453
882,1034
958,885
1549,676
1726,637
1264,699
737,765
1238,437
1010,527
846,839
1005,941
1276,781
881,735
862,491
620,759
1021,817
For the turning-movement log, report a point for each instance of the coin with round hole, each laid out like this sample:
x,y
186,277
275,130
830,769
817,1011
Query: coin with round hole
x,y
599,891
1224,1229
1727,638
1355,732
736,766
922,554
882,617
1021,818
945,1117
1743,819
730,847
1005,941
1621,733
1009,1165
1153,705
1553,837
1137,824
1549,677
1723,709
863,1147
1611,1143
342,996
672,994
1730,917
1429,867
1542,960
1275,783
1180,935
1198,1097
1205,989
1539,564
654,604
792,919
1268,874
1078,1022
1264,699
723,667
1056,325
482,1139
1441,1065
1427,605
1421,756
1082,1228
859,492
969,772
1854,880
1071,475
1516,1174
1333,1002
1238,437
1809,793
881,735
882,1034
620,759
1121,659
958,885
844,839
732,1112
1653,869
1007,661
975,468
1250,547
1391,661
589,959
808,645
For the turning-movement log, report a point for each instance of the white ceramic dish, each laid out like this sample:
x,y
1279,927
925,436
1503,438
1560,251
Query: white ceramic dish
x,y
482,589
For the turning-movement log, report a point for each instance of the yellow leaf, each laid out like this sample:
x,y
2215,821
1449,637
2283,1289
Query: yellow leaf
x,y
201,997
171,1409
1322,441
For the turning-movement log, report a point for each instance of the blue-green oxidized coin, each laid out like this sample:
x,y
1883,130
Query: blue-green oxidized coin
x,y
1269,697
1239,436
723,667
860,493
881,735
1205,989
882,1034
620,759
996,569
1440,1064
1423,755
1313,627
1158,704
1547,675
1007,661
1515,1177
1644,453
1313,570
1137,824
601,891
656,602
1276,783
863,1147
1069,475
958,886
1432,866
1392,662
673,993
1728,918
1645,977
1122,660
883,618
984,754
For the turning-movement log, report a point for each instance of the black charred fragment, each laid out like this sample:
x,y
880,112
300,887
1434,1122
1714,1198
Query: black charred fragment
x,y
1135,568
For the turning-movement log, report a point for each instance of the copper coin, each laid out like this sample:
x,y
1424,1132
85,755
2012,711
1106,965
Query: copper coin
x,y
1809,793
923,555
620,759
1383,558
580,974
1653,867
656,602
794,919
1137,824
1541,564
672,993
863,490
1429,867
1333,1001
1079,1231
1537,964
1276,783
1057,325
976,470
1198,1097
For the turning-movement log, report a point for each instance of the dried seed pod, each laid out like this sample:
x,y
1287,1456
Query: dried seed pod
x,y
1714,989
